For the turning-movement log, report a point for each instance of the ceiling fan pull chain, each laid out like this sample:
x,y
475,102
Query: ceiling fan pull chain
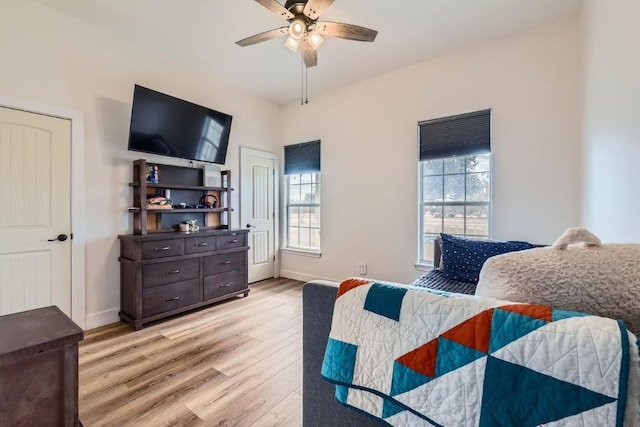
x,y
302,67
306,85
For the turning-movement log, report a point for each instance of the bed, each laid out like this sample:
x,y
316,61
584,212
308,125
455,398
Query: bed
x,y
412,356
331,401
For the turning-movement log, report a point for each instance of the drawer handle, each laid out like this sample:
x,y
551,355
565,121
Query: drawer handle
x,y
176,271
166,248
234,234
225,262
201,244
173,299
225,286
232,241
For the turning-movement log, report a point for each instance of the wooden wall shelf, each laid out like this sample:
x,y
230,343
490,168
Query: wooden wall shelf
x,y
186,186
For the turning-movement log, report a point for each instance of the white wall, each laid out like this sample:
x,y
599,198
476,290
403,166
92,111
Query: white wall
x,y
368,132
612,119
532,82
52,59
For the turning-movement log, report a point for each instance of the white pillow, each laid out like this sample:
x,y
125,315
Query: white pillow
x,y
595,278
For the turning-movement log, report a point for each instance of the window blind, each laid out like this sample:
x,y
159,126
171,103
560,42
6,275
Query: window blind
x,y
458,135
302,158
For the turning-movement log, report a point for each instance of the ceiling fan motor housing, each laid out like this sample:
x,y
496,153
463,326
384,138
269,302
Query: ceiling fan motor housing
x,y
299,5
297,9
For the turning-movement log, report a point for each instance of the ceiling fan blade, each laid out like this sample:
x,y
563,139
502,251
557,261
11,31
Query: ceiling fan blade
x,y
262,37
346,31
309,56
314,8
277,8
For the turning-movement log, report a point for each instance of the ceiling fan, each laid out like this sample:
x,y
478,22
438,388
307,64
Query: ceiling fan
x,y
304,30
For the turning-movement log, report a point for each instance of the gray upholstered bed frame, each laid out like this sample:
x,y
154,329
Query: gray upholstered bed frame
x,y
320,408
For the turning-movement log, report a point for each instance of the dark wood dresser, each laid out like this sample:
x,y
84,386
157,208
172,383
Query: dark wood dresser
x,y
163,274
39,368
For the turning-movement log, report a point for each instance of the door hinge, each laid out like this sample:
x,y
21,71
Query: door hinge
x,y
71,236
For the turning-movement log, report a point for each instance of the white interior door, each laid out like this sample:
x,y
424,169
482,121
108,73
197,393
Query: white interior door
x,y
35,208
257,210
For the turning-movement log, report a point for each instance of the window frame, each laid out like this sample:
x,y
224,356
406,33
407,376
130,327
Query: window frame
x,y
316,180
425,264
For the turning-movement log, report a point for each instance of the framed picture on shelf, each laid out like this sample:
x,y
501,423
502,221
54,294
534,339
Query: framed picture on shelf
x,y
152,174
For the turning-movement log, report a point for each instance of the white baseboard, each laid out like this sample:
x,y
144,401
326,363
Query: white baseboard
x,y
304,277
107,317
102,318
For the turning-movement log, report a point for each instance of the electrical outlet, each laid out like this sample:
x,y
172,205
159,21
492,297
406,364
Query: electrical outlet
x,y
363,268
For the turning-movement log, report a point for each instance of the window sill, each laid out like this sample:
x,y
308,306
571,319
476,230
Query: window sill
x,y
424,266
312,254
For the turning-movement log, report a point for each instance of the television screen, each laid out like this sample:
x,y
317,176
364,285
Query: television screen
x,y
165,125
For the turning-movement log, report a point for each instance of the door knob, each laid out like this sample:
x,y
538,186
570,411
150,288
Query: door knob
x,y
60,238
251,226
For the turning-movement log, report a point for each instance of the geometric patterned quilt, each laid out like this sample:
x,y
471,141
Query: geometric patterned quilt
x,y
412,356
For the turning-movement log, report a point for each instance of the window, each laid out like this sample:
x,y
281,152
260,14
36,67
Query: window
x,y
302,180
303,211
455,179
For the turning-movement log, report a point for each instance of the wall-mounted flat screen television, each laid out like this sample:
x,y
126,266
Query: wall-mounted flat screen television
x,y
165,125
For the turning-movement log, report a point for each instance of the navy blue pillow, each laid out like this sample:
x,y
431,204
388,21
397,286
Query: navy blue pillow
x,y
463,258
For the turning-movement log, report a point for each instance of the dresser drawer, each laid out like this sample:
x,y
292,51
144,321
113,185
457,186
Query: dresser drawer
x,y
223,284
232,240
170,271
162,248
193,245
170,297
215,264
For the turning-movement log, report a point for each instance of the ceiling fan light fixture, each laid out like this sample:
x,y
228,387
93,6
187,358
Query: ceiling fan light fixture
x,y
292,44
315,40
297,28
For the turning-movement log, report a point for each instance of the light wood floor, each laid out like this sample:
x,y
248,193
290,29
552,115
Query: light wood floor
x,y
236,363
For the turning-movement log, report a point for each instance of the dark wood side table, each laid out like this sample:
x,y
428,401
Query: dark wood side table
x,y
39,368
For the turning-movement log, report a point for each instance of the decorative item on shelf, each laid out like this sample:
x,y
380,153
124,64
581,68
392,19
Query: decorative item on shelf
x,y
184,227
158,202
208,201
152,174
192,225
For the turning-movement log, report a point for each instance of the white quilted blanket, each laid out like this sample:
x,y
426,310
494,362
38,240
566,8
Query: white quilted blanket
x,y
412,357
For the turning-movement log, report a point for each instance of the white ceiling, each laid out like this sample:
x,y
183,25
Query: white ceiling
x,y
202,35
